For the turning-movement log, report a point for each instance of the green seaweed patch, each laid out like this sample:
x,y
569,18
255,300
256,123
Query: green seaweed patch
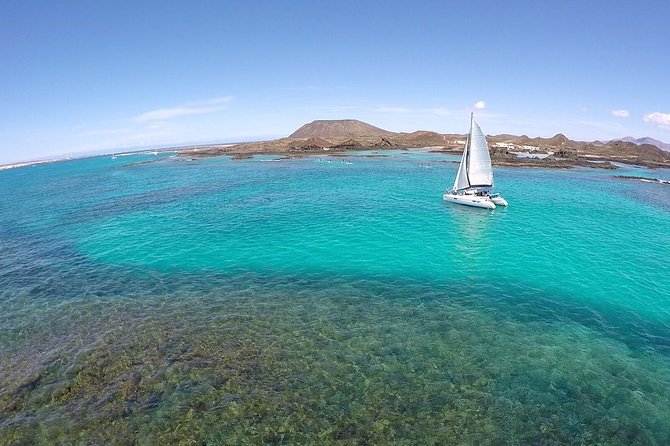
x,y
286,368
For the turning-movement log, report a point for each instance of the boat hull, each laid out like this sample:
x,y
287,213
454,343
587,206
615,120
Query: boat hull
x,y
470,200
499,201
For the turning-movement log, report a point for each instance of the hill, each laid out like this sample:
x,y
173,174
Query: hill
x,y
338,128
422,138
645,140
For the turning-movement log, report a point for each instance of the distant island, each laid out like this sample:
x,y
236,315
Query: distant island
x,y
645,140
336,137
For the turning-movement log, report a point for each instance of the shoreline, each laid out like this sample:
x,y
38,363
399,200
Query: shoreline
x,y
303,149
506,160
557,152
27,164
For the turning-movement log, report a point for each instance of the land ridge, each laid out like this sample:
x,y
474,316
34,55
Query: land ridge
x,y
341,136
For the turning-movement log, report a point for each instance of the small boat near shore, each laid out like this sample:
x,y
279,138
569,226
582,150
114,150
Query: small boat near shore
x,y
474,179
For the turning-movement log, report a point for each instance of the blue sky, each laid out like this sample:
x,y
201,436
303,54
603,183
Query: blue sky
x,y
81,76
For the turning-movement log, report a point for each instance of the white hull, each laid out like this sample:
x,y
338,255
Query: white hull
x,y
498,200
470,200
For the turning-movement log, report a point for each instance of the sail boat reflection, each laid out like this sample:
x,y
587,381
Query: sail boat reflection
x,y
472,240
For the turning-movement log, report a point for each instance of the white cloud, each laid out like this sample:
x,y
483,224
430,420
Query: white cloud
x,y
620,113
583,109
658,118
191,108
156,125
480,105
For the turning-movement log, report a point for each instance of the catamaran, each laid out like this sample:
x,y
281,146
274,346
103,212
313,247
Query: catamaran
x,y
474,179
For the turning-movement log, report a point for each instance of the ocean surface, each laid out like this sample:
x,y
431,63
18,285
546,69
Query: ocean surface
x,y
331,300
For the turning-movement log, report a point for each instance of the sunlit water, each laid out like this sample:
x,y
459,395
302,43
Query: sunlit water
x,y
317,301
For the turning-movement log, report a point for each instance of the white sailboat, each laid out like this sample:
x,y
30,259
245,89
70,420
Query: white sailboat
x,y
474,179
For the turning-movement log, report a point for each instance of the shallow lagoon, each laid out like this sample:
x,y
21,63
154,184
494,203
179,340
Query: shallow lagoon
x,y
222,301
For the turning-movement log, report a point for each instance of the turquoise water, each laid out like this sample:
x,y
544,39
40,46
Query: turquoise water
x,y
256,301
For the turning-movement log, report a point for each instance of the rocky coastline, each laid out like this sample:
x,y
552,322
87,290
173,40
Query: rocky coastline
x,y
339,137
552,159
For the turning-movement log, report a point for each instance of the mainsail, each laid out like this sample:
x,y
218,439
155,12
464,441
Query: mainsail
x,y
475,169
479,168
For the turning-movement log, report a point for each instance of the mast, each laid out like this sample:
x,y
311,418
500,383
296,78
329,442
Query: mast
x,y
467,164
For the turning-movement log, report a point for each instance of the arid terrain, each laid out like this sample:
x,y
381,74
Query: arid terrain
x,y
340,136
